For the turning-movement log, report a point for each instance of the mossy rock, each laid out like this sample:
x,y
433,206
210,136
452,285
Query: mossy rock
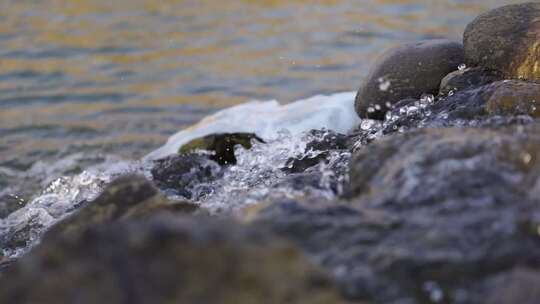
x,y
221,145
506,39
513,97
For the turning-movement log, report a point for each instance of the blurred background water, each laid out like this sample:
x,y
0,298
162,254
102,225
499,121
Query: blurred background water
x,y
103,78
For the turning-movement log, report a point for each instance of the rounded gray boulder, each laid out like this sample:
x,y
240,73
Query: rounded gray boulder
x,y
506,39
407,71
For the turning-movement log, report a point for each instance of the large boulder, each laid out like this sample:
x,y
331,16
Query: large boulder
x,y
166,259
406,71
506,39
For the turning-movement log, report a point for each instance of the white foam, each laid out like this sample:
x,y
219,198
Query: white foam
x,y
265,118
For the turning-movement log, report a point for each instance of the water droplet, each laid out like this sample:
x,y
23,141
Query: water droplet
x,y
434,291
462,67
377,107
412,110
526,157
367,124
384,84
427,98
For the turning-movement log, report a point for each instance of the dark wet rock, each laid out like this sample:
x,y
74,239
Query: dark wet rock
x,y
318,150
166,259
467,78
520,285
9,204
221,145
406,71
185,174
5,263
127,197
507,102
433,216
506,39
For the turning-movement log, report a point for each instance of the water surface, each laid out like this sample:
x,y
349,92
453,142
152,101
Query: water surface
x,y
103,78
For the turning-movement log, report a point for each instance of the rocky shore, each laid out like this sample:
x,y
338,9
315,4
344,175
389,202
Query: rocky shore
x,y
435,198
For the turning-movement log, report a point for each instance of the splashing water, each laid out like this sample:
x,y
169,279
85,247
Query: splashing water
x,y
373,129
259,174
22,229
266,119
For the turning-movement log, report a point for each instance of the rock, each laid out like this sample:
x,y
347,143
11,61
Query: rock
x,y
9,204
506,39
185,174
507,102
513,97
165,259
520,285
221,145
467,78
125,198
433,216
406,71
317,150
4,263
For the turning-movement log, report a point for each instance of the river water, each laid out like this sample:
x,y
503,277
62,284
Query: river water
x,y
83,81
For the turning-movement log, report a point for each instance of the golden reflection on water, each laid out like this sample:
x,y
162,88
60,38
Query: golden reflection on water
x,y
103,73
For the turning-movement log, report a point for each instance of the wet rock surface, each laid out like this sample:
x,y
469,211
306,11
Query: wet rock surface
x,y
433,216
506,39
467,78
125,198
221,145
405,71
182,173
166,259
317,150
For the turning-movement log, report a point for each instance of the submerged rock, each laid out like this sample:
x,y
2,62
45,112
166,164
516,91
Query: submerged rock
x,y
166,259
467,78
185,174
506,39
405,71
221,145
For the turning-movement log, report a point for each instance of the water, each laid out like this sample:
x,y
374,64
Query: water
x,y
87,85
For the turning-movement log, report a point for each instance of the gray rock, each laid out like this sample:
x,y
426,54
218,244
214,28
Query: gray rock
x,y
506,39
166,259
405,71
467,78
507,102
182,174
434,216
